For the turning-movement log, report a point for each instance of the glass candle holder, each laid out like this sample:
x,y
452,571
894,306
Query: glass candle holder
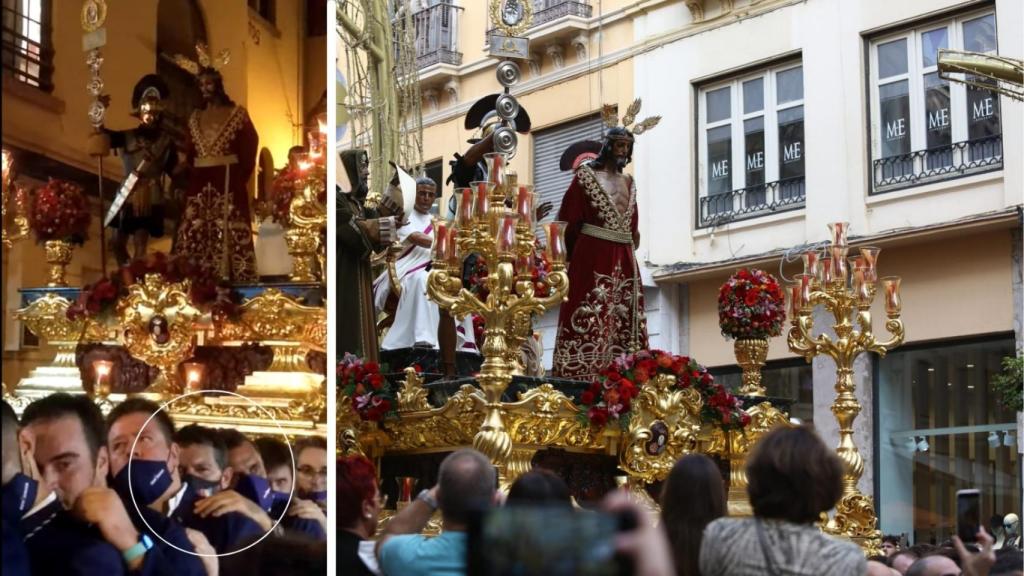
x,y
464,206
861,289
451,250
891,285
796,302
556,241
524,265
805,282
812,263
440,247
102,369
839,269
838,232
495,162
406,486
870,255
481,200
525,199
505,239
193,376
826,271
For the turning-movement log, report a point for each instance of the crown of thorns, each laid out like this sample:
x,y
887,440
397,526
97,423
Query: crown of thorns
x,y
204,61
611,120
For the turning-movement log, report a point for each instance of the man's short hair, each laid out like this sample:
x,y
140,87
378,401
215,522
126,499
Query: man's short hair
x,y
196,434
426,181
1008,561
274,452
233,438
466,480
891,538
793,476
308,442
142,406
80,406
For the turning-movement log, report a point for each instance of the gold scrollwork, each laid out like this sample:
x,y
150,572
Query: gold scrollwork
x,y
412,396
157,319
453,424
544,416
664,427
274,316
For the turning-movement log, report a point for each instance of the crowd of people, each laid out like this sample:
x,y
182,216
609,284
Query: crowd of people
x,y
132,493
793,478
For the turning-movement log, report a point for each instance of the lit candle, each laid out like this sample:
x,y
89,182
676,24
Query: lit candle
x,y
839,231
892,295
826,271
102,368
451,254
7,167
440,247
556,241
495,162
505,240
406,484
464,208
193,376
811,263
524,204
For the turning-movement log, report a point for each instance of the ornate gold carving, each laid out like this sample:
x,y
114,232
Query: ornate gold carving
x,y
448,426
58,256
663,427
520,16
751,354
544,416
303,248
94,15
412,397
156,319
855,519
47,318
307,217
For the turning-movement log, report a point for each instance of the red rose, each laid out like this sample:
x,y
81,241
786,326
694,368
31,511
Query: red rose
x,y
598,417
587,397
372,367
640,375
376,380
665,361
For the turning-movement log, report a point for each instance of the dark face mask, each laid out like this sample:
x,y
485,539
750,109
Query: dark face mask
x,y
19,495
320,497
204,488
149,480
257,489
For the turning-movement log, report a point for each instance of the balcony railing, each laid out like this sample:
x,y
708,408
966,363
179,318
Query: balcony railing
x,y
752,202
437,35
939,163
27,55
547,10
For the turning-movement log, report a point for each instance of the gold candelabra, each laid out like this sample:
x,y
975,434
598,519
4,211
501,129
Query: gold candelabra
x,y
845,286
307,218
504,238
11,193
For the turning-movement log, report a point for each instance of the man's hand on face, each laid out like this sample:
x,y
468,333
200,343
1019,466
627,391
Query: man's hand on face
x,y
103,507
308,510
202,546
230,501
30,468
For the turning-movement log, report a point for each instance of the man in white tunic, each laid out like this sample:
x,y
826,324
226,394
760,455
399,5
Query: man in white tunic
x,y
417,317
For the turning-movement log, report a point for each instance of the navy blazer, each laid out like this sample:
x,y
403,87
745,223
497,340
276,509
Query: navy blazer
x,y
226,533
296,526
15,555
59,543
163,560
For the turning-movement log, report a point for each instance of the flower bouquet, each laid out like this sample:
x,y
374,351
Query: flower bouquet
x,y
363,382
751,305
281,195
610,395
60,211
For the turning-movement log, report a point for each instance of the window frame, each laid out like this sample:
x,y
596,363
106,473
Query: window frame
x,y
916,71
770,109
19,48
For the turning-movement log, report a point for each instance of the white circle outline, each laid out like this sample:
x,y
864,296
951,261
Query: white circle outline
x,y
131,456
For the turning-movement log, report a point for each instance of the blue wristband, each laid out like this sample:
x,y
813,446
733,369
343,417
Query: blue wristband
x,y
145,543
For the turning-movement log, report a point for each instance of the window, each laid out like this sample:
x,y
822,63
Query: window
x,y
27,54
751,145
941,429
265,8
925,128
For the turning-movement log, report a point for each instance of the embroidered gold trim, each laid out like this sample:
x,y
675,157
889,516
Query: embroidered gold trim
x,y
606,234
613,219
221,143
208,161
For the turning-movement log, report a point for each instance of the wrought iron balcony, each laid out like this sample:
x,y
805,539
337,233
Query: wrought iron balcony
x,y
751,202
547,10
437,35
939,163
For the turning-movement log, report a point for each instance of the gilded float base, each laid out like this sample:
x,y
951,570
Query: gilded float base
x,y
283,386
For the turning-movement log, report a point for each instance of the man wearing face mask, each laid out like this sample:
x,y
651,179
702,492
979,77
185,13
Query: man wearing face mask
x,y
64,433
155,477
304,517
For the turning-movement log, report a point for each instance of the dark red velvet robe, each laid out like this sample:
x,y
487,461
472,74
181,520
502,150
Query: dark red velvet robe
x,y
604,315
216,230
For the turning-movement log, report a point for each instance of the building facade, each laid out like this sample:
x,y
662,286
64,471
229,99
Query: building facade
x,y
779,117
278,58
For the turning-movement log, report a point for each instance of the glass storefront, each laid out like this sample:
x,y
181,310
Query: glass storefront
x,y
941,429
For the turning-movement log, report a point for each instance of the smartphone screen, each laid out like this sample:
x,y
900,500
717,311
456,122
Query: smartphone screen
x,y
968,514
543,541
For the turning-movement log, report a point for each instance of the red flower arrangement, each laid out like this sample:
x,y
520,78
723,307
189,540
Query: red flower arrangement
x,y
610,396
98,300
282,192
751,305
60,211
363,382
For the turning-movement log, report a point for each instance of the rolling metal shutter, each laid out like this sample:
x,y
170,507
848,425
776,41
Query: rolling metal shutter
x,y
549,182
